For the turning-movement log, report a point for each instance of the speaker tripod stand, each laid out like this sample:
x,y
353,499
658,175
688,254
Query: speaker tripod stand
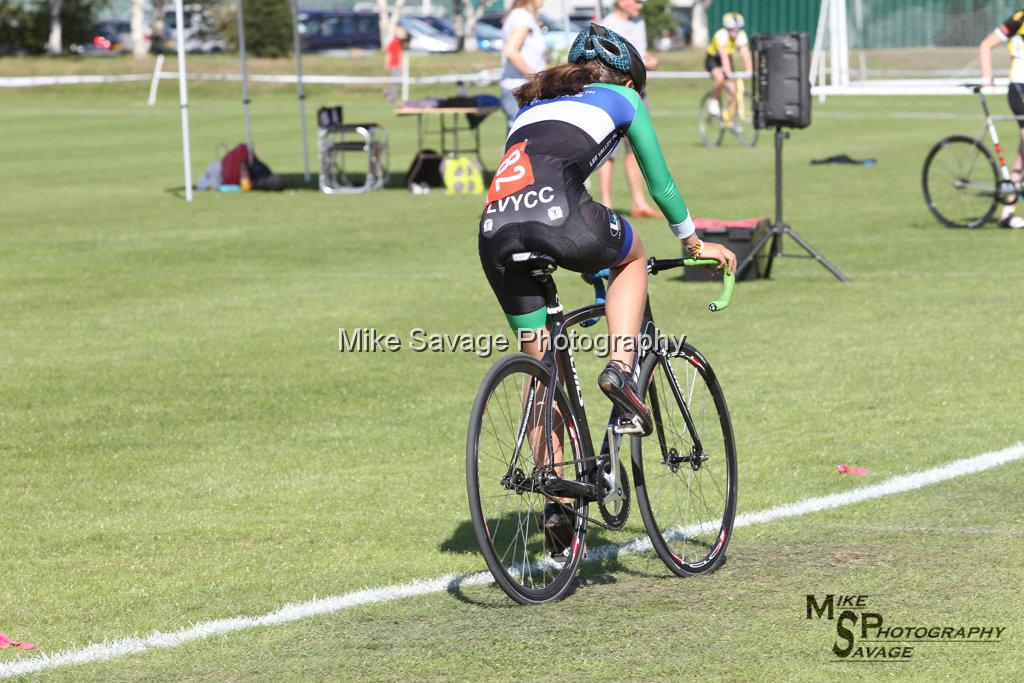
x,y
780,228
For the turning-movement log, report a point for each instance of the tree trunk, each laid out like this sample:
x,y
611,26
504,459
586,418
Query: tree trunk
x,y
468,35
139,46
470,44
459,14
388,21
55,43
699,37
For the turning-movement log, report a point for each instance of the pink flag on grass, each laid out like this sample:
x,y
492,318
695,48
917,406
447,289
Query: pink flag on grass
x,y
7,642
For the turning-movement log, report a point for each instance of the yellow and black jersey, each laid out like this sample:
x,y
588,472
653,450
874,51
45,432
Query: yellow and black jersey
x,y
722,43
1011,32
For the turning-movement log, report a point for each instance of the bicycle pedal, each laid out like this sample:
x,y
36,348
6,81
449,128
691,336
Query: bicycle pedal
x,y
631,426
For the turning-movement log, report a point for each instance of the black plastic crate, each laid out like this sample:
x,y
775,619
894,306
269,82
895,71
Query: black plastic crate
x,y
739,236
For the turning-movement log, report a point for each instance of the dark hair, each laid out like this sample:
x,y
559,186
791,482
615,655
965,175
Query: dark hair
x,y
566,79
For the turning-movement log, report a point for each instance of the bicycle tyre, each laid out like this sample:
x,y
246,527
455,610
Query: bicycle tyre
x,y
954,160
709,126
748,138
522,563
690,542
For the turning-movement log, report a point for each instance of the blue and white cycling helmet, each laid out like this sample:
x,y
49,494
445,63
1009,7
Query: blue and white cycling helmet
x,y
732,21
598,42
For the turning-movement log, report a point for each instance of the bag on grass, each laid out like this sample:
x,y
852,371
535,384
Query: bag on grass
x,y
425,169
462,176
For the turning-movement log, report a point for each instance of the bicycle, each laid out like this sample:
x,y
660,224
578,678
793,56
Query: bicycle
x,y
712,126
961,180
518,459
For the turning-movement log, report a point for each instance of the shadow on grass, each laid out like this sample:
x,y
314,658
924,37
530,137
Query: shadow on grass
x,y
602,569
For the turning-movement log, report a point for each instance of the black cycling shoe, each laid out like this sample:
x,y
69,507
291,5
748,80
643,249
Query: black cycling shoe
x,y
558,525
618,385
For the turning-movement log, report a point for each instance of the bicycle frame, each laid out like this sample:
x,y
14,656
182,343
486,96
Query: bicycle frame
x,y
559,360
990,126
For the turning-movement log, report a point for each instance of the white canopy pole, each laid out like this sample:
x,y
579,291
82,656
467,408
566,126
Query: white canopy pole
x,y
245,79
301,90
183,92
819,41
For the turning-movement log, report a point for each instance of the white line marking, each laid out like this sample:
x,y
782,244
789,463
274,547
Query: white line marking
x,y
370,596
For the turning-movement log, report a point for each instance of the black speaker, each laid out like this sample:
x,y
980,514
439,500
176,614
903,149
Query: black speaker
x,y
782,86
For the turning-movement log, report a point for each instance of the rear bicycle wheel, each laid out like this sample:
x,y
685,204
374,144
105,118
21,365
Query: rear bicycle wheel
x,y
505,447
960,180
685,472
709,125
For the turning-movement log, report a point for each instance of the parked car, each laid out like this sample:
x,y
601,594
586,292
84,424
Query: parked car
x,y
584,18
201,32
556,35
333,30
488,38
425,38
321,31
106,38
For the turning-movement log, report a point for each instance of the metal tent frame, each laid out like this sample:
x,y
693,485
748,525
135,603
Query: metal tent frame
x,y
244,58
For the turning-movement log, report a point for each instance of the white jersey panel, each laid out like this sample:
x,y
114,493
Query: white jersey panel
x,y
594,121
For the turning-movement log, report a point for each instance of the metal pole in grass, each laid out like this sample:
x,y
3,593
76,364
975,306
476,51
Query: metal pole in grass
x,y
301,90
158,70
183,92
245,79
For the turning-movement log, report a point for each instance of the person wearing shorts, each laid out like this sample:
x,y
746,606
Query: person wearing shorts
x,y
1010,32
572,117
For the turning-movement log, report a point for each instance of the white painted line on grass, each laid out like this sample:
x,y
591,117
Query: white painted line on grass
x,y
370,596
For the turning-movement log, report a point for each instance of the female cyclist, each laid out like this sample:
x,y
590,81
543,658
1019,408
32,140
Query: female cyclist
x,y
571,118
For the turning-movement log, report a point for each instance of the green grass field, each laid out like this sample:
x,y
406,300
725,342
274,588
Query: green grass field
x,y
182,440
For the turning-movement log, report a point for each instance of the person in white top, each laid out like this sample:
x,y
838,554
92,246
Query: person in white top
x,y
625,20
723,45
1011,32
524,52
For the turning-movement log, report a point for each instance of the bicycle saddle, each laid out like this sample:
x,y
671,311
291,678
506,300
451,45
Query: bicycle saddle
x,y
532,262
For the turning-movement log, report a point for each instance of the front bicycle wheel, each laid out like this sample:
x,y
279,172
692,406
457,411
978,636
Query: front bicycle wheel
x,y
960,181
709,124
685,473
506,452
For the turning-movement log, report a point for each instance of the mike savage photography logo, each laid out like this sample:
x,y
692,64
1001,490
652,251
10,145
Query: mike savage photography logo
x,y
420,340
867,633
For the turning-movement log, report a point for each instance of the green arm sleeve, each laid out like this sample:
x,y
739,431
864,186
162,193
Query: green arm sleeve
x,y
659,181
652,163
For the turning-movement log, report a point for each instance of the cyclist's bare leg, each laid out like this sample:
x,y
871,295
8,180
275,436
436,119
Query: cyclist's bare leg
x,y
635,180
1018,164
627,292
718,78
1016,174
534,344
730,88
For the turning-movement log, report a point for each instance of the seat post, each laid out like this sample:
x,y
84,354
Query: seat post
x,y
551,294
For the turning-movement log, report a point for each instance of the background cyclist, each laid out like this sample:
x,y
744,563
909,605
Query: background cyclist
x,y
1010,32
722,46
